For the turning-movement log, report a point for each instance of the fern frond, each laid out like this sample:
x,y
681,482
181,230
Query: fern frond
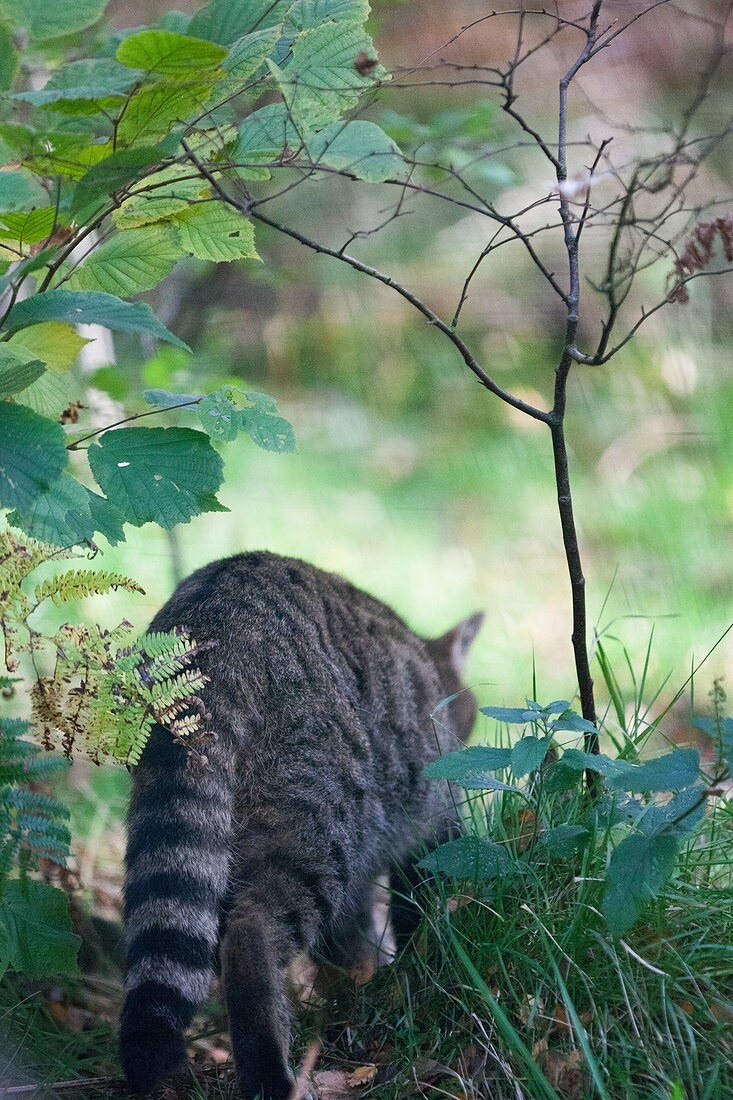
x,y
33,802
79,583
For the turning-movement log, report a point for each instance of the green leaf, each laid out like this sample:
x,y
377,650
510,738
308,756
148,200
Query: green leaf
x,y
321,81
511,715
57,344
28,227
306,14
163,195
158,475
165,53
38,939
564,840
248,53
469,857
639,868
360,148
273,433
129,262
50,394
44,20
116,171
96,79
528,754
667,773
225,21
569,720
266,135
213,231
164,399
84,308
60,515
19,367
106,519
679,816
32,455
20,190
468,763
156,108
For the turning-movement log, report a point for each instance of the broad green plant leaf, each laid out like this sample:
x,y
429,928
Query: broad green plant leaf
x,y
213,231
667,773
157,475
573,722
359,148
57,344
528,754
19,367
128,263
469,857
165,53
679,816
265,135
322,80
32,455
50,394
468,763
28,227
44,20
38,940
118,170
304,15
154,109
248,53
273,433
564,841
20,190
639,869
161,195
511,715
87,308
225,21
95,79
60,515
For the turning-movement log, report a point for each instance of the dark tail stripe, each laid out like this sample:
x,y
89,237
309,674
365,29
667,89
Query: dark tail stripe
x,y
173,944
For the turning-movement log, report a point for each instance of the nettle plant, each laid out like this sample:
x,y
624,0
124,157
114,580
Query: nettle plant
x,y
626,837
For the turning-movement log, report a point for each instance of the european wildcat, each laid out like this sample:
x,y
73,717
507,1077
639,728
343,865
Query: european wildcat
x,y
320,698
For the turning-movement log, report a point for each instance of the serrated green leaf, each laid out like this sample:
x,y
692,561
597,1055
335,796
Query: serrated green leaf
x,y
106,519
19,367
162,195
640,867
122,168
359,148
321,81
166,53
69,155
272,433
564,840
95,79
49,394
265,135
468,763
60,515
44,20
667,773
32,455
679,816
248,53
469,857
225,21
28,227
511,715
528,754
38,939
158,475
82,307
573,722
212,231
306,14
57,344
164,399
156,108
20,190
128,263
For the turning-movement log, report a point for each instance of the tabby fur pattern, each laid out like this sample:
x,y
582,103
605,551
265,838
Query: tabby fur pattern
x,y
321,700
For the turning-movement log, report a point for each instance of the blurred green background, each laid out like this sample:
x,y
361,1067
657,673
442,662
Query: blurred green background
x,y
409,478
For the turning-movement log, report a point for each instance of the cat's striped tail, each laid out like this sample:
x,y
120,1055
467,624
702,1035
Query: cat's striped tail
x,y
177,864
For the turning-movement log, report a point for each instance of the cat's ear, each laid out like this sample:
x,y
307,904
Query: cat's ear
x,y
453,646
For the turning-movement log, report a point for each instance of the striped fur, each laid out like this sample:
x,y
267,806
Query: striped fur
x,y
321,701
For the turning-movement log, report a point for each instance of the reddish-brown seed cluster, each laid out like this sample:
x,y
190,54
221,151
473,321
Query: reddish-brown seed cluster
x,y
698,252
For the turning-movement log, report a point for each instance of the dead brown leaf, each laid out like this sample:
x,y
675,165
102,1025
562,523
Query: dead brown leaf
x,y
362,1075
333,1084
